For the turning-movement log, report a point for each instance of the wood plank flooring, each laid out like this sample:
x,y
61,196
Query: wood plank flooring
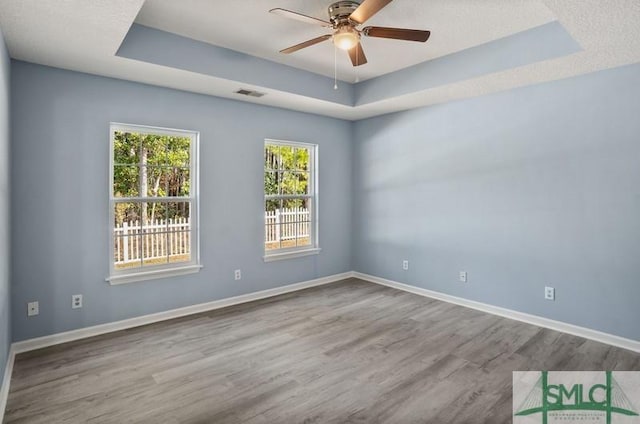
x,y
348,352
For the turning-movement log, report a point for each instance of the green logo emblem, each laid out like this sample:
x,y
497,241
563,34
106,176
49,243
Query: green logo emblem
x,y
570,399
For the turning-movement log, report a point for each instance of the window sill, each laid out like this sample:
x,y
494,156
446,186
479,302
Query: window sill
x,y
290,255
152,275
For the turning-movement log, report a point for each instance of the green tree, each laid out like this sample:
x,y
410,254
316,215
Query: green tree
x,y
286,173
150,165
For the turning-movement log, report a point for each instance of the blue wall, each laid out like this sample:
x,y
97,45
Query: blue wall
x,y
533,45
5,305
531,187
60,206
526,188
167,49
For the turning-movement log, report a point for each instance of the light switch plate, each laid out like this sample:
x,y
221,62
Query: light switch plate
x,y
33,308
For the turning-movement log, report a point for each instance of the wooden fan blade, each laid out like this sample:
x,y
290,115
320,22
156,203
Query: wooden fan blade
x,y
357,55
397,33
305,44
367,9
300,17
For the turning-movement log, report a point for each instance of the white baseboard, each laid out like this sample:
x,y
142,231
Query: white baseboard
x,y
82,333
6,381
575,330
96,330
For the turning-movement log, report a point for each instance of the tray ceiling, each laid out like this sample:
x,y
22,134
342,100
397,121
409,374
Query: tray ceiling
x,y
86,36
247,26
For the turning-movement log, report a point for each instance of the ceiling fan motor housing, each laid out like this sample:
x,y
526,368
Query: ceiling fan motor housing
x,y
344,19
340,11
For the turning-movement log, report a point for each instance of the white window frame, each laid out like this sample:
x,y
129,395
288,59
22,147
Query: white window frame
x,y
298,251
165,270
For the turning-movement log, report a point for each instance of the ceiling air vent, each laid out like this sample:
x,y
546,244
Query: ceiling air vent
x,y
250,93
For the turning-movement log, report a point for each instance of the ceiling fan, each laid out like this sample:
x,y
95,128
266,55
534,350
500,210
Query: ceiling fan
x,y
344,19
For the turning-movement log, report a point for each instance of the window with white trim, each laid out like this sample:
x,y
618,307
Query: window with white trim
x,y
153,203
291,201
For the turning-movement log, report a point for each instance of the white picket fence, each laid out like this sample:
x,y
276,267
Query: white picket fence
x,y
294,223
160,239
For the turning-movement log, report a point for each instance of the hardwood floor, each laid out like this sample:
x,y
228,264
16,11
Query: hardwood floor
x,y
348,352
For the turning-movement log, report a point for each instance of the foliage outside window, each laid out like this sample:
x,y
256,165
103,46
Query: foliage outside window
x,y
153,200
290,197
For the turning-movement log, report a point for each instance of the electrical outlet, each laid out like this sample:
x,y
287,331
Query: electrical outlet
x,y
405,265
33,308
462,276
237,274
550,293
76,301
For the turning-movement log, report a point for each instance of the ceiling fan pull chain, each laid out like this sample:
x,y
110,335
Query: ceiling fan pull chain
x,y
355,68
335,67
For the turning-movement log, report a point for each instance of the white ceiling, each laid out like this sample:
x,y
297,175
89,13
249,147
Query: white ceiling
x,y
84,35
248,27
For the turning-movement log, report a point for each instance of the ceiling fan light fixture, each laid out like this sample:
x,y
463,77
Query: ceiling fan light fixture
x,y
345,16
346,37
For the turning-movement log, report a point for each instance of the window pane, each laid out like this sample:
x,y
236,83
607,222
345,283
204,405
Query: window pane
x,y
154,248
293,204
271,157
126,148
270,183
154,150
126,252
126,231
304,211
179,227
303,222
179,151
304,236
154,181
126,180
179,246
154,237
302,159
272,239
302,183
179,213
127,217
287,227
287,158
289,183
291,223
272,205
155,216
178,182
271,221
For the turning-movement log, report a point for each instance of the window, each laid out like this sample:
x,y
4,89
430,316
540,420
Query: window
x,y
290,213
153,203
